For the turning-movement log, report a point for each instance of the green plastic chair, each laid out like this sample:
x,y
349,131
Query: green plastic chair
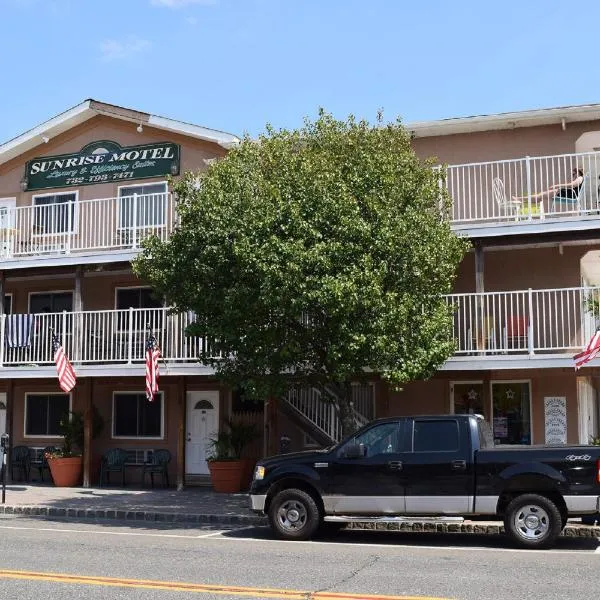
x,y
20,459
113,461
159,464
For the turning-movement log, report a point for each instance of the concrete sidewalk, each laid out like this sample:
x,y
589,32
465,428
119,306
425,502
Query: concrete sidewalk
x,y
198,505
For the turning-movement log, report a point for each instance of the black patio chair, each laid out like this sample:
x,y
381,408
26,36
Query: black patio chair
x,y
113,461
159,464
20,459
41,464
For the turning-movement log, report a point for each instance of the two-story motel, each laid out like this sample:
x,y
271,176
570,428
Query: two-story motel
x,y
79,193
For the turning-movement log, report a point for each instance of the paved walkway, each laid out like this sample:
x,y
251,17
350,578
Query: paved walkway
x,y
193,505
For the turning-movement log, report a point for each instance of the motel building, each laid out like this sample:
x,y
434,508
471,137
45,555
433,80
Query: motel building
x,y
80,192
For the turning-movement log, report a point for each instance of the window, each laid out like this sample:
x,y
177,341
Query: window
x,y
143,205
50,302
134,416
138,298
43,413
511,420
384,438
435,436
7,304
241,403
54,213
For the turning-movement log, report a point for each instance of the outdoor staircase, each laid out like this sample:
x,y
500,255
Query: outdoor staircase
x,y
316,413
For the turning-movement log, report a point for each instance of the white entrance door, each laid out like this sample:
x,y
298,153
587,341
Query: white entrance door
x,y
587,405
7,224
202,424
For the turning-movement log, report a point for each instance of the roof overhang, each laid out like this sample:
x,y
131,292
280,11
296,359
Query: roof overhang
x,y
512,120
90,108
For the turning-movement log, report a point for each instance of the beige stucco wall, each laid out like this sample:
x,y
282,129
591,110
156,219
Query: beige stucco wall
x,y
499,145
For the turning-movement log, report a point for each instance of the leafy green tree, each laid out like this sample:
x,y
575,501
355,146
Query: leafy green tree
x,y
314,257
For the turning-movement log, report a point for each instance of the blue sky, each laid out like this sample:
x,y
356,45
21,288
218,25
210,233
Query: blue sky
x,y
235,65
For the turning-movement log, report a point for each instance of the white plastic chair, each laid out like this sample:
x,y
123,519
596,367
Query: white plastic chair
x,y
509,207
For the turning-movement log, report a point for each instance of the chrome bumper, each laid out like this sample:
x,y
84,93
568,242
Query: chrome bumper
x,y
257,503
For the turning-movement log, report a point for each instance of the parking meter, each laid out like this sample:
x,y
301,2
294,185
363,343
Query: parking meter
x,y
4,450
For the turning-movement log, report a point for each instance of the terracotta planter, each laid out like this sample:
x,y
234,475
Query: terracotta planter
x,y
226,475
66,472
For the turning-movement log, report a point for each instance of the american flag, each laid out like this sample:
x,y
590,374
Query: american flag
x,y
590,352
66,375
152,356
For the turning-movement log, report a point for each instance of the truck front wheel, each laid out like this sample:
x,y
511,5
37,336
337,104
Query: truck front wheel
x,y
533,521
294,515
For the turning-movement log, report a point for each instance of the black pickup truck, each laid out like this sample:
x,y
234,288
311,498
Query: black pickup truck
x,y
431,467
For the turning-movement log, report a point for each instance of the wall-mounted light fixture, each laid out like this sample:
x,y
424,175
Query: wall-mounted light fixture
x,y
140,128
23,183
174,167
45,139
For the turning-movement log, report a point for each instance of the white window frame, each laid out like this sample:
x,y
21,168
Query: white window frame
x,y
75,222
42,437
137,437
531,418
165,220
10,203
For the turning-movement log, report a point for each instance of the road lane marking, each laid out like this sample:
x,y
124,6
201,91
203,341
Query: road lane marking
x,y
178,586
104,532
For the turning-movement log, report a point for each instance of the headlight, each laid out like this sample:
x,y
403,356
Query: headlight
x,y
259,472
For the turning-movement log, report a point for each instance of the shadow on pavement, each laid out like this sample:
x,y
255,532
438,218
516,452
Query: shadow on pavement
x,y
441,540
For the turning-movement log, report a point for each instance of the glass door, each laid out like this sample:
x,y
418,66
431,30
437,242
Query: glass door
x,y
511,419
467,398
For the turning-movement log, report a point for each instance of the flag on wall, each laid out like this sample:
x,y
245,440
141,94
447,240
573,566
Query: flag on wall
x,y
152,356
590,351
64,369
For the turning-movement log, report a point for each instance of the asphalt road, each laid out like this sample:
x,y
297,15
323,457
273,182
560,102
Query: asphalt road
x,y
40,559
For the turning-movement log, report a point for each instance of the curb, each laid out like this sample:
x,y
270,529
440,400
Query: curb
x,y
129,515
496,528
580,531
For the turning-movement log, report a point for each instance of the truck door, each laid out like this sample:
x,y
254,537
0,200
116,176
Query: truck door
x,y
365,474
439,473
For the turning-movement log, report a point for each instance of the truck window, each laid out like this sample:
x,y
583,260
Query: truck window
x,y
384,438
435,436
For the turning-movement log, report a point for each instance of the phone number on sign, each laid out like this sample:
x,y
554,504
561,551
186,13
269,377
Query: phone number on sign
x,y
99,178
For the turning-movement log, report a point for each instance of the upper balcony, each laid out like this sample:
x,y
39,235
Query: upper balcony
x,y
484,205
106,229
492,330
499,198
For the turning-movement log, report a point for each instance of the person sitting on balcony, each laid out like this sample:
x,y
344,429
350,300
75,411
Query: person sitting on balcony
x,y
569,189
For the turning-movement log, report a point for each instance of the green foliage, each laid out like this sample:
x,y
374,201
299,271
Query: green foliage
x,y
321,252
71,428
230,442
595,441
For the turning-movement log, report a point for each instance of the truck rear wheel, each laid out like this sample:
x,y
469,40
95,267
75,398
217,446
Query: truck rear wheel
x,y
533,521
294,515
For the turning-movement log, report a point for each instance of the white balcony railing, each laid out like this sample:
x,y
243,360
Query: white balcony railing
x,y
86,225
88,337
483,192
525,321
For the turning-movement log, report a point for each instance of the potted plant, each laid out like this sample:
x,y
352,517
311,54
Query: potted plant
x,y
229,472
66,463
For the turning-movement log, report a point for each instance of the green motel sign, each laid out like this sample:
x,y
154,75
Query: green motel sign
x,y
102,162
